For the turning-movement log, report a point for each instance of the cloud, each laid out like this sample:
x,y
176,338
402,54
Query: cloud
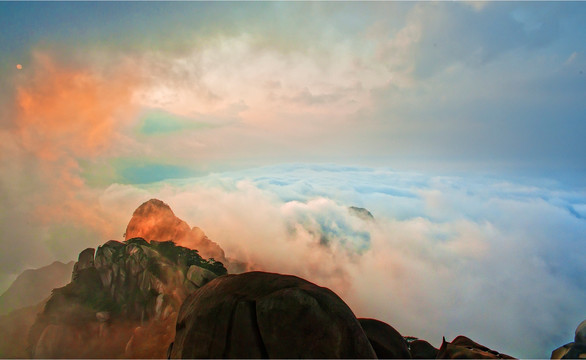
x,y
496,260
62,113
432,86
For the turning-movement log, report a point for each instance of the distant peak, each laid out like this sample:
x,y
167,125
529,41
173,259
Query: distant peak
x,y
154,220
362,213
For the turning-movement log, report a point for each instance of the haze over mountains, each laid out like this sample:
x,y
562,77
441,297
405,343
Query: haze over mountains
x,y
458,125
32,286
123,299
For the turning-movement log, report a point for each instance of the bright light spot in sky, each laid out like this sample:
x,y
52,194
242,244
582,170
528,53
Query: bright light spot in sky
x,y
19,67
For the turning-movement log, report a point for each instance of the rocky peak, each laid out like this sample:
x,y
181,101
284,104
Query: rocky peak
x,y
115,290
153,205
154,220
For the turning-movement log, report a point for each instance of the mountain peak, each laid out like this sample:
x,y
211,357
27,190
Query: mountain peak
x,y
152,205
154,220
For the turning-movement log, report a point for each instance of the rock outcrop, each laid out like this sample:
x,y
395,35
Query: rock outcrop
x,y
464,348
122,302
260,315
385,340
154,220
421,349
573,350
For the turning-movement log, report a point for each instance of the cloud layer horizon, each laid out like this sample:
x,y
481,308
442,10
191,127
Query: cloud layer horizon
x,y
460,126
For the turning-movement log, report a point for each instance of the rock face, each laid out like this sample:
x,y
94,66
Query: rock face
x,y
154,220
464,348
573,350
260,315
421,349
580,337
385,340
33,286
121,303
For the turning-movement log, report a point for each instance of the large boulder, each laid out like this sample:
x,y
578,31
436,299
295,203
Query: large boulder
x,y
421,349
260,315
385,340
464,348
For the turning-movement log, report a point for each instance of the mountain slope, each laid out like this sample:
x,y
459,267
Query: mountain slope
x,y
34,285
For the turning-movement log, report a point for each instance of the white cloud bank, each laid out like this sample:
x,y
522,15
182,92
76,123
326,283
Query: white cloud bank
x,y
497,261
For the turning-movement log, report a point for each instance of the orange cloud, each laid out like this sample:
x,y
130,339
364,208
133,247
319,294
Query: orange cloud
x,y
64,113
71,111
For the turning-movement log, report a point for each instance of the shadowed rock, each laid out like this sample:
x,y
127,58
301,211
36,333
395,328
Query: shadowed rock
x,y
421,349
123,303
580,337
385,340
573,350
464,348
260,315
85,261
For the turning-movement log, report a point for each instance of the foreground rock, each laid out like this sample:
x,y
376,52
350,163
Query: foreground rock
x,y
260,315
421,349
122,302
573,350
385,340
464,348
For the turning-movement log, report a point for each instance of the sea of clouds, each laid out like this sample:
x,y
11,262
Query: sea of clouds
x,y
497,260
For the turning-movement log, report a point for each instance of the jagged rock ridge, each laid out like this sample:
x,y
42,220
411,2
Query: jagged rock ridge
x,y
122,302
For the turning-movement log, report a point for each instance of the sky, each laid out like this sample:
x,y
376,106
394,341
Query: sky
x,y
458,125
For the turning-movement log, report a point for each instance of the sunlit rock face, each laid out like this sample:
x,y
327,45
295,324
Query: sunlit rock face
x,y
121,302
154,220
